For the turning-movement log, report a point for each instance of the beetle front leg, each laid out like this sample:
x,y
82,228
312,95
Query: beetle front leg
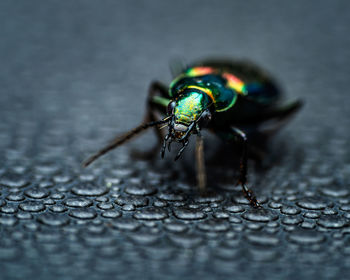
x,y
243,167
152,109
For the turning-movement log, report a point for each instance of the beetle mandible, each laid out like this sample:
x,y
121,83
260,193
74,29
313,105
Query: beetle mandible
x,y
230,98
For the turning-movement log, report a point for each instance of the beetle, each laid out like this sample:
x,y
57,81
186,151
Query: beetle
x,y
233,99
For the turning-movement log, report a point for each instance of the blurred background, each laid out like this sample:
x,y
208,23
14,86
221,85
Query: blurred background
x,y
75,73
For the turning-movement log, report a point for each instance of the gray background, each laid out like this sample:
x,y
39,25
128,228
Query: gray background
x,y
75,73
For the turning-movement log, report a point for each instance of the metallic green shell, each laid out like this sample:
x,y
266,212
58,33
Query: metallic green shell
x,y
223,82
190,106
213,85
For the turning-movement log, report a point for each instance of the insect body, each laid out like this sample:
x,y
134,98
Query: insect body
x,y
232,99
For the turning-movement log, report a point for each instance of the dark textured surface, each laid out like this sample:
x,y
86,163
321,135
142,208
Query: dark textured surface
x,y
74,74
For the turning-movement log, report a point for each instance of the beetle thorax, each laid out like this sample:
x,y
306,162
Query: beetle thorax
x,y
189,107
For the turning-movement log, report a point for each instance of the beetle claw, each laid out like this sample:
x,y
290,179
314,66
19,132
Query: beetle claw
x,y
169,146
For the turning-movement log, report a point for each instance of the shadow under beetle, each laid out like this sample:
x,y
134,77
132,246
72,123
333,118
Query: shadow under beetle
x,y
233,99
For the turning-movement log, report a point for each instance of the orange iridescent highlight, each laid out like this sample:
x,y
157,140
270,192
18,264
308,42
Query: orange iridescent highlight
x,y
232,81
199,71
235,83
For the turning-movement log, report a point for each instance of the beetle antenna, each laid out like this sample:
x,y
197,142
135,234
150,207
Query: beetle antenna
x,y
121,140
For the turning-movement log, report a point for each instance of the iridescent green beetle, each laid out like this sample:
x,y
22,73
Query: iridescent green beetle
x,y
233,99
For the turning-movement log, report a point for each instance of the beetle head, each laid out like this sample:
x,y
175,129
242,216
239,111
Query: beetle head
x,y
187,114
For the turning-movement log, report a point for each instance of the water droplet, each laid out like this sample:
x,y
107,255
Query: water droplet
x,y
214,225
263,254
87,177
308,225
113,181
9,221
160,203
306,237
290,210
186,240
221,215
105,205
151,214
292,220
48,236
57,196
8,209
24,216
17,196
32,206
13,181
313,203
209,198
61,179
329,211
275,205
102,199
259,215
226,253
262,239
45,184
31,226
128,207
140,190
171,196
83,214
58,208
125,224
345,207
254,226
234,208
188,213
174,226
144,238
36,193
48,201
51,219
334,191
272,224
332,222
98,239
47,168
112,214
89,190
78,202
157,252
95,228
137,201
235,220
312,215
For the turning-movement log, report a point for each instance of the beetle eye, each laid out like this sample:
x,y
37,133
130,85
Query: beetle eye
x,y
171,107
204,119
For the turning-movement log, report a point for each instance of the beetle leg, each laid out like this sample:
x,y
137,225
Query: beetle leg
x,y
184,145
243,167
151,116
200,165
154,88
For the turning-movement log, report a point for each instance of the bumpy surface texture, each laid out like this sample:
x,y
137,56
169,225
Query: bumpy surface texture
x,y
75,73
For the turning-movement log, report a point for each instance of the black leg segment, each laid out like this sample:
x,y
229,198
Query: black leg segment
x,y
241,136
